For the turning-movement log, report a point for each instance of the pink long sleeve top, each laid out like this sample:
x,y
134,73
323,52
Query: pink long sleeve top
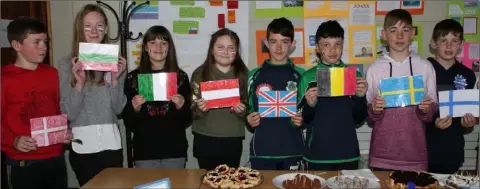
x,y
398,139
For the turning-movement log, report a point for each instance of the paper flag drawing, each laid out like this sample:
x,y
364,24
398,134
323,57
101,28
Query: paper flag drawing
x,y
402,91
157,86
336,81
277,103
49,130
457,103
221,93
100,57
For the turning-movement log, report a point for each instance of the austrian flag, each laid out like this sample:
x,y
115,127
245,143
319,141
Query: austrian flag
x,y
49,130
100,57
157,86
221,93
277,103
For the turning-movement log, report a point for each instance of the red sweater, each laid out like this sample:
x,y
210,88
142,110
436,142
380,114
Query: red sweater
x,y
28,94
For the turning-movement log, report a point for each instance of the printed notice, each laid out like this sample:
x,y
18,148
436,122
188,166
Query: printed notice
x,y
191,12
474,51
298,52
268,4
362,36
362,14
338,5
312,5
387,5
470,25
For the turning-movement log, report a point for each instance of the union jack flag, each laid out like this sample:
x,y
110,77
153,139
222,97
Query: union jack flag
x,y
277,103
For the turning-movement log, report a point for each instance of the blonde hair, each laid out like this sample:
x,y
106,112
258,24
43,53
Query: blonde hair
x,y
79,36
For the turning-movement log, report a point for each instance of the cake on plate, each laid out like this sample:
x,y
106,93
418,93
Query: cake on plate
x,y
422,180
227,177
301,182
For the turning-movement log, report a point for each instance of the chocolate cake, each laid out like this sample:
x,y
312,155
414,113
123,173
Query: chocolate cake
x,y
302,182
400,179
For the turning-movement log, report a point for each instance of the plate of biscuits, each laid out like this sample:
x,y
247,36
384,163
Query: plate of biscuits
x,y
299,181
234,178
421,180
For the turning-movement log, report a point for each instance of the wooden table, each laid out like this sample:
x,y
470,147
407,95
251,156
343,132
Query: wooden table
x,y
184,178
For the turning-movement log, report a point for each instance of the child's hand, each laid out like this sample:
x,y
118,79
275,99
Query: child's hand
x,y
239,108
253,119
68,136
378,104
137,102
443,123
78,72
311,96
425,105
361,89
178,100
468,120
202,105
297,119
25,144
122,65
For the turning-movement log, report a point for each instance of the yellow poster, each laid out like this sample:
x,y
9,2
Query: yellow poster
x,y
358,21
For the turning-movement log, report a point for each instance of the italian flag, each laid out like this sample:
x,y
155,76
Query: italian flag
x,y
99,57
221,93
157,86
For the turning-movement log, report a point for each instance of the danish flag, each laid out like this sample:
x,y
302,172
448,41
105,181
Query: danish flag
x,y
277,103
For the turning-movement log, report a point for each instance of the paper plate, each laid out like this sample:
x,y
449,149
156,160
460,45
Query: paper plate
x,y
208,185
278,180
371,183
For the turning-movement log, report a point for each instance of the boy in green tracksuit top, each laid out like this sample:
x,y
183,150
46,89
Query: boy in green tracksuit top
x,y
331,121
277,142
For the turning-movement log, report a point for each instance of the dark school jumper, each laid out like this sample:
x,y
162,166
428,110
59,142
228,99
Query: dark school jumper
x,y
446,147
331,142
276,143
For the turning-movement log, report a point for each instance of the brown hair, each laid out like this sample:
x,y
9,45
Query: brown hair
x,y
241,70
397,15
79,36
162,33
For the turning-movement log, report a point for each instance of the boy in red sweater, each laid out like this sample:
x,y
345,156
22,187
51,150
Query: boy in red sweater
x,y
30,90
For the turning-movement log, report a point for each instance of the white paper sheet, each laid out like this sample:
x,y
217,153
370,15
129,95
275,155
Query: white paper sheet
x,y
362,36
387,5
366,173
338,5
298,52
310,28
455,10
312,5
470,25
268,4
468,95
362,15
474,51
3,33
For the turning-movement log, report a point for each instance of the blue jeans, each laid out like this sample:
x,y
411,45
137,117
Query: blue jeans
x,y
172,163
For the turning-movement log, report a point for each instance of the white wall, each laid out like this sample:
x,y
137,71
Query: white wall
x,y
63,15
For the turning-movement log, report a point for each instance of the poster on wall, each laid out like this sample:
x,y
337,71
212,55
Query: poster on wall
x,y
192,23
467,13
470,55
414,7
273,9
262,50
415,46
358,21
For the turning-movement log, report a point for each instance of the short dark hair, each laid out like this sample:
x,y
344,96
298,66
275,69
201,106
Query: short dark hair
x,y
329,29
19,29
445,27
397,15
281,26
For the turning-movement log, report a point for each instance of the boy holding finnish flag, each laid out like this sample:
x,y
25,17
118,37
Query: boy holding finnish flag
x,y
277,141
330,110
445,141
